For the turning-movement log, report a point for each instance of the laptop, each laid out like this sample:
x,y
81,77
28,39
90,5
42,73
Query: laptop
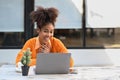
x,y
52,63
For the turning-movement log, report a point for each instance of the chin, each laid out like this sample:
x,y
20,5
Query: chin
x,y
46,40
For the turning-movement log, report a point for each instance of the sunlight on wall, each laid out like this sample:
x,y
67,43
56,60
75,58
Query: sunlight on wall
x,y
78,4
103,13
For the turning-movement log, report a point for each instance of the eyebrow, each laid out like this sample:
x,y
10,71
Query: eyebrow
x,y
48,29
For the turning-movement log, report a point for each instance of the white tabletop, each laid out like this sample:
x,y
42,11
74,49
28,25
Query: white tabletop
x,y
8,72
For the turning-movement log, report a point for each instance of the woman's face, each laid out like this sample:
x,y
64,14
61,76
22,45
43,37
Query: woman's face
x,y
46,33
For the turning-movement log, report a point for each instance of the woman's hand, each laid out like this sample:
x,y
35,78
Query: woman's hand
x,y
45,48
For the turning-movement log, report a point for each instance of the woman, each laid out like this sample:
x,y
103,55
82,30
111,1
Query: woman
x,y
45,19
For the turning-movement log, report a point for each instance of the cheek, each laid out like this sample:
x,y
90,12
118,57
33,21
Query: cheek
x,y
52,35
41,34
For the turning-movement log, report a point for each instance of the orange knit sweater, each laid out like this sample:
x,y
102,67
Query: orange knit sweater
x,y
33,44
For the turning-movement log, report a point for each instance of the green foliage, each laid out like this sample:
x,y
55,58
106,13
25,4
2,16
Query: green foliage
x,y
26,57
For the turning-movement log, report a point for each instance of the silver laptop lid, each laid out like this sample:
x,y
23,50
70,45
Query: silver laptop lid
x,y
52,63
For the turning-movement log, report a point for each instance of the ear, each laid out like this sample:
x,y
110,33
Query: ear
x,y
38,30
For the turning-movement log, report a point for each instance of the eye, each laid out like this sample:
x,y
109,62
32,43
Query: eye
x,y
46,31
51,32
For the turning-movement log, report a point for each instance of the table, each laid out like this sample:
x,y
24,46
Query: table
x,y
8,72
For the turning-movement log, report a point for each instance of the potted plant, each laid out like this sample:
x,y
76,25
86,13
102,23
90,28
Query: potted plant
x,y
25,61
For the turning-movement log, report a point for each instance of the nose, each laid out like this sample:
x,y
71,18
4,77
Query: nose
x,y
49,34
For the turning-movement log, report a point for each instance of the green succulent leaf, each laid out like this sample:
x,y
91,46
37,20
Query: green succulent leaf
x,y
24,62
26,57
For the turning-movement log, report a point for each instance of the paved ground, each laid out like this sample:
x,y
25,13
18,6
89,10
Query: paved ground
x,y
4,64
7,72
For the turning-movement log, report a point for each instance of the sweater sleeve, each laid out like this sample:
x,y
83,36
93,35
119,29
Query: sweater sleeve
x,y
60,47
20,54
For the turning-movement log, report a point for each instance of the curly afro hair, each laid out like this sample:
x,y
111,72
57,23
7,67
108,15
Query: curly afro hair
x,y
43,16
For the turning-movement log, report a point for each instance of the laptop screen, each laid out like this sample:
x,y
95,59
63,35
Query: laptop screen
x,y
52,63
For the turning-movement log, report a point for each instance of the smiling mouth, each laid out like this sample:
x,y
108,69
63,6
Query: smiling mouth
x,y
46,39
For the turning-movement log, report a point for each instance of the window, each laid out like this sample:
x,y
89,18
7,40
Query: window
x,y
11,23
103,26
95,25
11,39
